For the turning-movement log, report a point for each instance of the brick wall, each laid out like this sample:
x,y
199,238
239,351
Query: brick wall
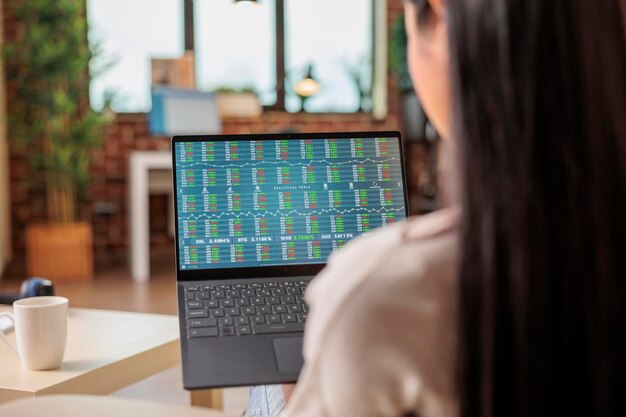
x,y
130,132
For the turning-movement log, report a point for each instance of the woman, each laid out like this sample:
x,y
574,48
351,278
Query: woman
x,y
515,308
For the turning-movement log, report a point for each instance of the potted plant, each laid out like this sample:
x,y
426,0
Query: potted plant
x,y
361,75
398,56
50,121
238,102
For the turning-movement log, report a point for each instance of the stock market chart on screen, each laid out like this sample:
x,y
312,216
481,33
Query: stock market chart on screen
x,y
247,203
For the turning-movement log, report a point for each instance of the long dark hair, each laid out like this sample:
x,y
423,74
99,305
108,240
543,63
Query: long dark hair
x,y
539,95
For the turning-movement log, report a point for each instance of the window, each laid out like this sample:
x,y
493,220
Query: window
x,y
238,46
129,33
235,47
336,38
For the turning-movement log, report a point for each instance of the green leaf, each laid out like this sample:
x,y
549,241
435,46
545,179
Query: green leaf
x,y
48,66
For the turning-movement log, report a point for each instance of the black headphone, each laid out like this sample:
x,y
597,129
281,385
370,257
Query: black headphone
x,y
32,287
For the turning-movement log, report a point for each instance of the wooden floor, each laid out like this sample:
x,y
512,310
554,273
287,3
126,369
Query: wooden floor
x,y
112,288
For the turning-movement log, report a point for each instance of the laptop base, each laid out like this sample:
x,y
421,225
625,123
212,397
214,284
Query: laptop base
x,y
217,362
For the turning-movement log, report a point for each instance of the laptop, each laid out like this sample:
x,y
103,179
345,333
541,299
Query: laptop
x,y
256,218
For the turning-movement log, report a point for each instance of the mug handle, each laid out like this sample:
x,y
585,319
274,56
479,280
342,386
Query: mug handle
x,y
4,338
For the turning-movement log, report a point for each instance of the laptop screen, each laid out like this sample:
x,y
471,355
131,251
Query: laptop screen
x,y
254,203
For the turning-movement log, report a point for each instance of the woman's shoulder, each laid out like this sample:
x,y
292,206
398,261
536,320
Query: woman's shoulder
x,y
416,230
415,258
388,295
400,251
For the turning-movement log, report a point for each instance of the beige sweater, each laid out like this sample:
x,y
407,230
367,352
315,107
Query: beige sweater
x,y
380,337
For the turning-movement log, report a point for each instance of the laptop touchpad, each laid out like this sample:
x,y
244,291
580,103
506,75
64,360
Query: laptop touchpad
x,y
288,353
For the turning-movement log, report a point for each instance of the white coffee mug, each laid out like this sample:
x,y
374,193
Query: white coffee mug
x,y
40,331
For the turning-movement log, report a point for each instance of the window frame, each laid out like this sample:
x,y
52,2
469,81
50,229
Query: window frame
x,y
379,56
379,90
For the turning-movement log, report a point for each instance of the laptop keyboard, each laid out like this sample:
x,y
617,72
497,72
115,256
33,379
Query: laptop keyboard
x,y
245,309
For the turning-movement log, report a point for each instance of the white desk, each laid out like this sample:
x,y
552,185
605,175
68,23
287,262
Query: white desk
x,y
105,351
141,162
92,406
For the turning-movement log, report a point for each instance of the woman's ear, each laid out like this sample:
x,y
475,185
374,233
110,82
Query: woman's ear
x,y
432,19
428,57
440,24
438,7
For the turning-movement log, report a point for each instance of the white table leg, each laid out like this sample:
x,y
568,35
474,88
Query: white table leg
x,y
139,221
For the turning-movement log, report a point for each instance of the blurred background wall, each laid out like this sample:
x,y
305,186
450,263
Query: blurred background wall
x,y
105,205
5,221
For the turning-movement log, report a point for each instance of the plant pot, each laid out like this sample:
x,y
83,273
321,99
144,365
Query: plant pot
x,y
239,105
60,252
